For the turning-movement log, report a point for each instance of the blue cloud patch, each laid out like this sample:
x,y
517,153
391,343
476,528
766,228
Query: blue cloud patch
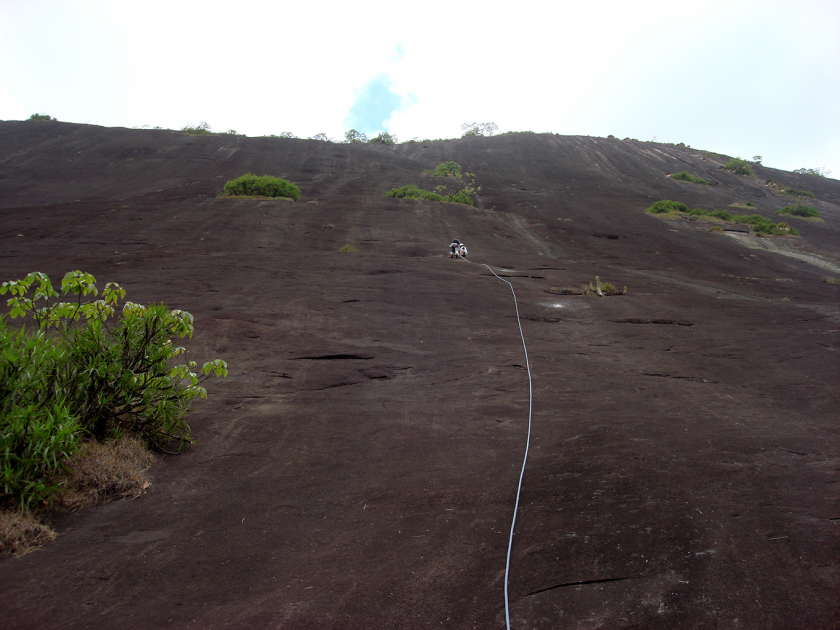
x,y
374,106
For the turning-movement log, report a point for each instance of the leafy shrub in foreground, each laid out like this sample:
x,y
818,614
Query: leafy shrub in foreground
x,y
739,167
67,371
722,214
685,177
800,211
265,186
666,205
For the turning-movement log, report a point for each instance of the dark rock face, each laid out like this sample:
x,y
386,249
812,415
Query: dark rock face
x,y
358,468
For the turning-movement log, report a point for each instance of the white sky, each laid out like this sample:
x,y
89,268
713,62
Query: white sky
x,y
741,77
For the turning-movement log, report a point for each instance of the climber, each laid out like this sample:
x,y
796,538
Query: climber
x,y
463,251
454,248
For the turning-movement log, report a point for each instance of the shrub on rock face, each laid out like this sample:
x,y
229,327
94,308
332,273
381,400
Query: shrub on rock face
x,y
685,177
448,168
722,214
414,192
800,211
666,205
739,167
265,186
41,117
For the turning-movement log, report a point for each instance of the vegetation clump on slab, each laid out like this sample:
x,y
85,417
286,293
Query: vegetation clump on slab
x,y
793,192
757,223
763,225
602,289
818,172
41,117
251,185
801,210
685,177
446,169
739,167
666,205
463,194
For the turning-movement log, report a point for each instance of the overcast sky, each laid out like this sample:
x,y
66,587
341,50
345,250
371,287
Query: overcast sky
x,y
740,77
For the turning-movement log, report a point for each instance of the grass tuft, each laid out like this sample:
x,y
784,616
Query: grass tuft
x,y
22,532
105,471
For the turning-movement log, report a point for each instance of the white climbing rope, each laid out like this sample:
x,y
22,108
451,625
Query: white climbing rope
x,y
527,442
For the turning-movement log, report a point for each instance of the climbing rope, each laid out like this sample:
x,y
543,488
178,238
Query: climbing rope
x,y
527,442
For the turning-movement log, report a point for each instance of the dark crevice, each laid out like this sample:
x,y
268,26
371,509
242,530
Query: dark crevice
x,y
551,320
333,357
693,379
663,322
320,389
280,375
583,583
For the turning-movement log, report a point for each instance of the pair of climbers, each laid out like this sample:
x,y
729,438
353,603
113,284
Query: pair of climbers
x,y
457,249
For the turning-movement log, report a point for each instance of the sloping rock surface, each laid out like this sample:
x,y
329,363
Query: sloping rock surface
x,y
358,467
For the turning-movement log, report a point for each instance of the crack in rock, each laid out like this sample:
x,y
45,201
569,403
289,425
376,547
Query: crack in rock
x,y
582,583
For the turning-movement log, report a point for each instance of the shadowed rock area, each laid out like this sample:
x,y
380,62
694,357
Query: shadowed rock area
x,y
358,467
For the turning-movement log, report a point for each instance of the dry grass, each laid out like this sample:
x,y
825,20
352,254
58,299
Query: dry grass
x,y
102,472
22,532
97,473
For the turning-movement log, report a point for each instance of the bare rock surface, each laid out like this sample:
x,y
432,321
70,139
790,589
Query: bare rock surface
x,y
358,467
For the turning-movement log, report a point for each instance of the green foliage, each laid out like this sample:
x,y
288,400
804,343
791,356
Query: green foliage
x,y
411,191
762,225
41,117
37,432
69,370
757,159
750,203
685,177
322,137
348,249
265,186
384,138
722,214
739,167
201,129
666,205
793,192
446,169
818,172
800,211
355,137
473,129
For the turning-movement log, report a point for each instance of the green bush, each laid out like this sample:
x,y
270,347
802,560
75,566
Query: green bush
x,y
762,225
37,431
739,167
201,129
68,372
698,212
818,172
414,192
265,186
446,169
685,177
41,117
722,214
666,205
384,138
800,211
793,192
